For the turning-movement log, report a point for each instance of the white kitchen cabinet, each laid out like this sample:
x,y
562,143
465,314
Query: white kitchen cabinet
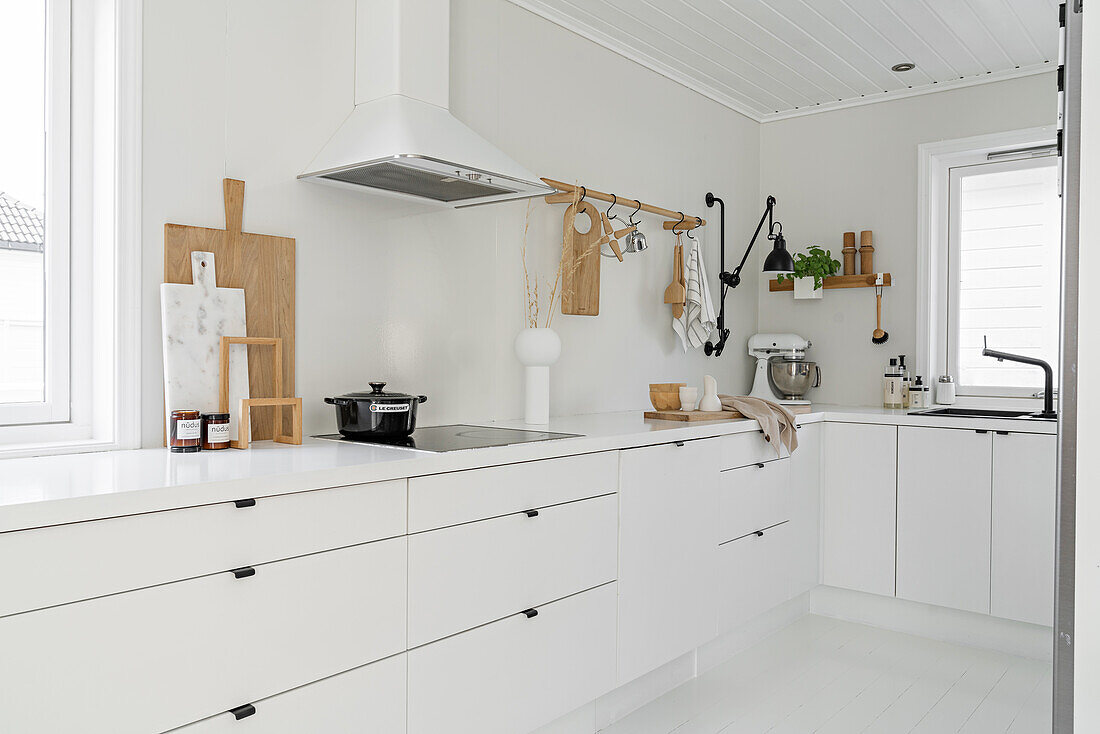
x,y
943,527
1025,494
42,567
859,494
805,523
470,574
516,674
753,497
755,574
668,543
366,699
157,658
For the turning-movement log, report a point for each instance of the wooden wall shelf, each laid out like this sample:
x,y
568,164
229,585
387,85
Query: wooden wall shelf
x,y
834,281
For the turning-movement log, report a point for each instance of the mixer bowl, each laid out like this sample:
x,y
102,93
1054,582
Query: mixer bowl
x,y
792,378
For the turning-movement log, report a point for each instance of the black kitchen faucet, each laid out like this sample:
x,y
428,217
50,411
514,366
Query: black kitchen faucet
x,y
1048,391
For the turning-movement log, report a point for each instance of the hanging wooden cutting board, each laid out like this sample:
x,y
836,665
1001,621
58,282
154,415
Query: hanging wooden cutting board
x,y
580,277
194,318
263,265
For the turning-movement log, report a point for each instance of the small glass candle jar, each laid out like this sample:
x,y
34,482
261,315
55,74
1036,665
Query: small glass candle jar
x,y
185,431
215,431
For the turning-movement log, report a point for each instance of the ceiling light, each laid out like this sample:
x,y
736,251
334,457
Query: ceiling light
x,y
903,66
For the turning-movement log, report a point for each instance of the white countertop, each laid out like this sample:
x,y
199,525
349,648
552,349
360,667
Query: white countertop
x,y
59,489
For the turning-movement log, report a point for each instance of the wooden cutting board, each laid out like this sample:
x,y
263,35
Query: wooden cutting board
x,y
691,416
580,276
194,318
263,265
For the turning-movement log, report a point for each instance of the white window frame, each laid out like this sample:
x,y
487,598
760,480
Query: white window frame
x,y
93,225
934,228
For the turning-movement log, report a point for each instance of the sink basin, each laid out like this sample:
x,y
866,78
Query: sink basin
x,y
981,413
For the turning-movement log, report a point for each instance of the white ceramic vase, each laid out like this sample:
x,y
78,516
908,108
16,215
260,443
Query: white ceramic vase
x,y
536,350
804,288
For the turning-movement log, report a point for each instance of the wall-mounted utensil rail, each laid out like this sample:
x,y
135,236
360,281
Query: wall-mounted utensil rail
x,y
679,221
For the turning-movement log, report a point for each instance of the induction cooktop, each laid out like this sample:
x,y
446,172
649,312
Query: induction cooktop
x,y
457,438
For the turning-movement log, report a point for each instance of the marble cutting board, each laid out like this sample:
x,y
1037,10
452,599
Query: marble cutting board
x,y
193,320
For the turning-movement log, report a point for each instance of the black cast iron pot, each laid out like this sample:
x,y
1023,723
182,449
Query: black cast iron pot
x,y
376,415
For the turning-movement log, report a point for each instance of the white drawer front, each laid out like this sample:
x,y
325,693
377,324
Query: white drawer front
x,y
743,449
754,497
365,700
161,657
466,575
449,499
514,675
754,575
67,563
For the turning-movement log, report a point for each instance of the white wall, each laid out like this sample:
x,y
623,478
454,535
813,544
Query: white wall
x,y
856,169
1086,644
431,300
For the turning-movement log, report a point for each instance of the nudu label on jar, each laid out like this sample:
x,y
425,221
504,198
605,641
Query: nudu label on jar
x,y
217,432
188,429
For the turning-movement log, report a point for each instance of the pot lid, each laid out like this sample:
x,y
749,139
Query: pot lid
x,y
377,392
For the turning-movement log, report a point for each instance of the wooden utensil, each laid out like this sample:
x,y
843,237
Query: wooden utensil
x,y
609,235
580,278
263,265
691,416
879,336
675,293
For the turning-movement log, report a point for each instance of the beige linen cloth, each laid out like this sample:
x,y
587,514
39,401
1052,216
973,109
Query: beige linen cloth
x,y
777,422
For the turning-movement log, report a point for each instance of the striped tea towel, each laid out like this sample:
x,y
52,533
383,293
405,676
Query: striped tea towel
x,y
698,319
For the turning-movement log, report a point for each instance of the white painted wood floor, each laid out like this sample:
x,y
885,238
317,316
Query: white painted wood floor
x,y
827,676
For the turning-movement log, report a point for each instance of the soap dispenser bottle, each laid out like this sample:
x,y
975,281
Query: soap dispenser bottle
x,y
891,386
906,399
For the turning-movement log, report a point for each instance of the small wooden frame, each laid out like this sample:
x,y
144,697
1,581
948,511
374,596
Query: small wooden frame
x,y
835,281
243,417
279,402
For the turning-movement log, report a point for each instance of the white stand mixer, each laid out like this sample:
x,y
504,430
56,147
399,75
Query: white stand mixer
x,y
792,348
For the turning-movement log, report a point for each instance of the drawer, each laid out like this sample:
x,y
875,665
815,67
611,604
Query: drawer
x,y
754,497
466,575
743,449
517,674
449,499
367,699
65,563
165,656
754,575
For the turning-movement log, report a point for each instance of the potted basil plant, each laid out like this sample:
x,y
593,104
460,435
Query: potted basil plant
x,y
810,271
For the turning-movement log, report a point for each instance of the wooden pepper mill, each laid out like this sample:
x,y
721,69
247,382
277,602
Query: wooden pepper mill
x,y
849,253
866,253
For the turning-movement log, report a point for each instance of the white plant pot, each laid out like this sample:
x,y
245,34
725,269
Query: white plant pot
x,y
804,288
536,350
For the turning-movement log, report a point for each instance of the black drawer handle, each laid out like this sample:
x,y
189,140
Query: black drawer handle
x,y
1001,433
250,502
759,465
243,712
759,533
531,613
531,513
679,443
243,572
980,430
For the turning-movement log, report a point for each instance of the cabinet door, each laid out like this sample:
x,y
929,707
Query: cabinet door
x,y
1025,491
668,546
859,496
944,494
806,509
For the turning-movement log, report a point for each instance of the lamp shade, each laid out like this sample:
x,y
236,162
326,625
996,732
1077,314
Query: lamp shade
x,y
779,260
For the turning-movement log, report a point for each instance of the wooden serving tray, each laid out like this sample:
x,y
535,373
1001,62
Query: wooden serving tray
x,y
691,416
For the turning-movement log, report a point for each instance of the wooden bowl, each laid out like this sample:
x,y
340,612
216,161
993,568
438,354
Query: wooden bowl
x,y
665,395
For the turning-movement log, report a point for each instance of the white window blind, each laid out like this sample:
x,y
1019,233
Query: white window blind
x,y
1004,268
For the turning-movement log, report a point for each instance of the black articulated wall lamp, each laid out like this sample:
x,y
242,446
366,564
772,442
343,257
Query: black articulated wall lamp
x,y
777,261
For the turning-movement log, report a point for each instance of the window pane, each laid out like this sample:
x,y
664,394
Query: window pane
x,y
22,191
1009,273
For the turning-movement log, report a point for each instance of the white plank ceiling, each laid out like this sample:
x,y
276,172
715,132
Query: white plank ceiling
x,y
771,59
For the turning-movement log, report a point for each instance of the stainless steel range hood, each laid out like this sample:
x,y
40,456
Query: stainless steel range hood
x,y
400,138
